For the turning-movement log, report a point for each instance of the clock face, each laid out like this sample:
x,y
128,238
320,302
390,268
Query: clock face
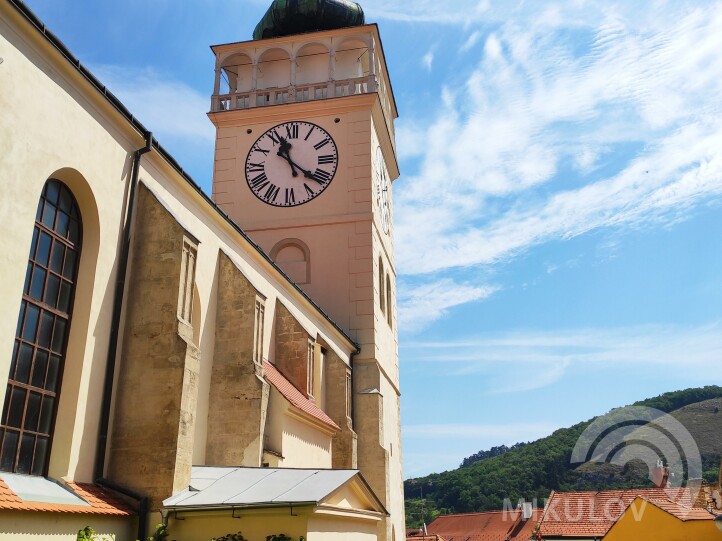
x,y
382,190
291,164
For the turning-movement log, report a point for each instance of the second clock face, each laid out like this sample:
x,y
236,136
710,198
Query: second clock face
x,y
382,190
291,164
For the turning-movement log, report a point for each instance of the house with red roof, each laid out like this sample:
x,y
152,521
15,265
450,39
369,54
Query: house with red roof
x,y
577,516
507,525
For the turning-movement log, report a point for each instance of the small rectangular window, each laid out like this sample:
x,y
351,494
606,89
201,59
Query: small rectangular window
x,y
311,375
258,331
187,280
349,395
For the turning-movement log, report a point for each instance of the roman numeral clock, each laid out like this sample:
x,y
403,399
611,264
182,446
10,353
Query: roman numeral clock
x,y
291,164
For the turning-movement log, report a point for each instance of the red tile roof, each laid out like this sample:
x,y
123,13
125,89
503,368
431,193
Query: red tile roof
x,y
592,514
101,501
488,526
294,396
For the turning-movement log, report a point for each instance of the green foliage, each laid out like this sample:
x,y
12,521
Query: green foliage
x,y
491,453
532,470
89,534
668,402
238,536
278,537
160,534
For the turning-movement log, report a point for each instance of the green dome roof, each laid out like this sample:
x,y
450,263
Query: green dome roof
x,y
286,17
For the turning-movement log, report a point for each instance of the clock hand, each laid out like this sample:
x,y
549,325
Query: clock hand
x,y
290,162
295,166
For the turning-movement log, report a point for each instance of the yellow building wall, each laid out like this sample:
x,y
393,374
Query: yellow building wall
x,y
205,526
27,525
643,521
336,529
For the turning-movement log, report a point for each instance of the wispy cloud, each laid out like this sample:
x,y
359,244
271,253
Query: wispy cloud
x,y
524,118
422,303
470,41
164,104
549,354
428,60
501,433
467,438
521,142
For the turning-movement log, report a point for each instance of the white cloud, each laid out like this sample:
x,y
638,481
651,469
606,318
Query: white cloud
x,y
470,41
536,102
508,433
420,304
464,440
167,106
549,354
427,60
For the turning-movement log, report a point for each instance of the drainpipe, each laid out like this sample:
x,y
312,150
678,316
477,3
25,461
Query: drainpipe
x,y
113,342
142,503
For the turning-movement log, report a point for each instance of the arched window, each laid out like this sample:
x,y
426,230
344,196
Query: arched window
x,y
294,258
382,294
36,368
389,315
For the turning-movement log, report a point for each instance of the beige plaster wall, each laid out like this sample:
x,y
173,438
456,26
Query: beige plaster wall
x,y
301,445
21,526
51,128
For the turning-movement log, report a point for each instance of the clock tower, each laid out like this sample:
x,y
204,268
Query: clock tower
x,y
304,159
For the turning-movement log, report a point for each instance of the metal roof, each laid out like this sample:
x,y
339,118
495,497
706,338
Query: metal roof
x,y
257,487
32,488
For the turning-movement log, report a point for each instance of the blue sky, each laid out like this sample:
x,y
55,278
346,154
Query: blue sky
x,y
559,213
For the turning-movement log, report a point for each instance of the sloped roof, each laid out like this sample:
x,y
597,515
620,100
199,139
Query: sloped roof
x,y
294,396
217,487
487,526
91,499
592,514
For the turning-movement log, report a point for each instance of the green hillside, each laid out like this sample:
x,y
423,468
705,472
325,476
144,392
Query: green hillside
x,y
533,469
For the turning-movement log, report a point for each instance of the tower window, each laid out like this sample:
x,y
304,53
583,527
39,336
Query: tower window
x,y
36,367
187,280
382,296
258,331
294,258
311,375
389,314
349,395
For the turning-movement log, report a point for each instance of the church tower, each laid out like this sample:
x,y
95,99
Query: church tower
x,y
304,159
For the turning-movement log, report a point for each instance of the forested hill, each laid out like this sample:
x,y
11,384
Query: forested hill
x,y
532,470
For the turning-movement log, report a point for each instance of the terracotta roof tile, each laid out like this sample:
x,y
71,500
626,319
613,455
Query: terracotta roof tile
x,y
488,526
592,514
294,396
102,502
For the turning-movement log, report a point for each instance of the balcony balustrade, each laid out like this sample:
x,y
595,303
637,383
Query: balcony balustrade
x,y
293,93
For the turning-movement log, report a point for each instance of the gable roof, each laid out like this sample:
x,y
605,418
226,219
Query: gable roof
x,y
227,487
294,396
487,526
88,499
592,514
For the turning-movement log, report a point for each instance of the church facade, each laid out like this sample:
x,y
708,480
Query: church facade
x,y
216,363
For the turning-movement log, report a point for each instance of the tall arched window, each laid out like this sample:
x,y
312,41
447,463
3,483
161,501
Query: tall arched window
x,y
389,305
382,295
36,368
